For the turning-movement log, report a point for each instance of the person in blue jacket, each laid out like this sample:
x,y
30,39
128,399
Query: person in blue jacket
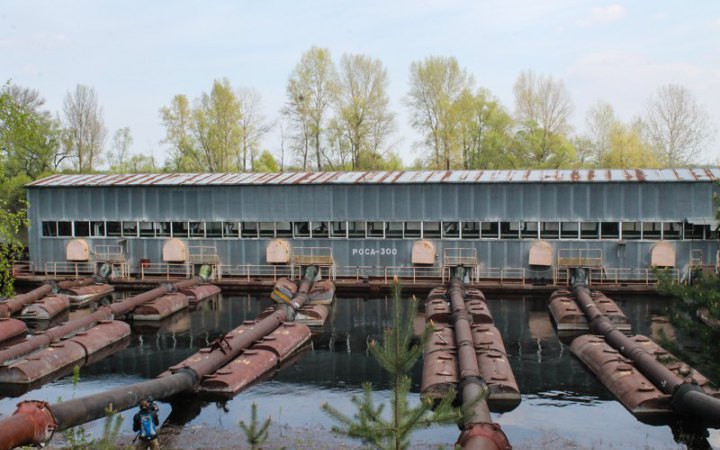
x,y
146,423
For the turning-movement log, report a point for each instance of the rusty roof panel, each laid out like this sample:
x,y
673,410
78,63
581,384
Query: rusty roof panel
x,y
400,177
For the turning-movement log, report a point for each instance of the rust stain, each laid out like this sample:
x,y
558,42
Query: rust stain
x,y
640,175
591,175
575,176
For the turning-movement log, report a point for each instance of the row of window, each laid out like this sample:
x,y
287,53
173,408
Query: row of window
x,y
381,230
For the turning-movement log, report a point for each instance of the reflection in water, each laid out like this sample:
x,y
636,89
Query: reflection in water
x,y
559,395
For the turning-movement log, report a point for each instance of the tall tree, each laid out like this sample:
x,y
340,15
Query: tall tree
x,y
207,136
485,131
542,109
177,120
29,144
252,126
11,222
84,129
627,149
600,121
363,116
121,142
437,84
311,91
678,126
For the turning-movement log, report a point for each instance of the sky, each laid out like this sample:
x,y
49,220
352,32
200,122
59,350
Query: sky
x,y
137,54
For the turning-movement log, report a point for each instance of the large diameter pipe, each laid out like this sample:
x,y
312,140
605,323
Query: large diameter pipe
x,y
103,313
16,304
26,425
479,432
686,398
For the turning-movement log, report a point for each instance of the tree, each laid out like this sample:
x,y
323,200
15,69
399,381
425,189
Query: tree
x,y
84,129
542,109
29,143
311,91
121,143
363,119
679,128
396,356
437,85
208,136
627,149
266,163
11,222
252,126
485,131
600,121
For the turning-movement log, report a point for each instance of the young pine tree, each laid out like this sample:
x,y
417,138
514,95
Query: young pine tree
x,y
396,355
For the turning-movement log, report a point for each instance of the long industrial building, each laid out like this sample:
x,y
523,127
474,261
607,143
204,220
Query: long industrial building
x,y
530,224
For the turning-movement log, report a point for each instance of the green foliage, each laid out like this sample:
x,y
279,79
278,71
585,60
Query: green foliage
x,y
266,163
702,295
397,355
11,222
255,434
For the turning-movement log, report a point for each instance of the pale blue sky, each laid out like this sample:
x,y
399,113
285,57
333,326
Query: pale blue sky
x,y
138,54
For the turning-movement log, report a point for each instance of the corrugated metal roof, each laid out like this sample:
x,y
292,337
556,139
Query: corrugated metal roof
x,y
402,177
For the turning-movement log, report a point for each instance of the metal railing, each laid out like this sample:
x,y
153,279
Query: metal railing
x,y
580,257
615,276
322,256
55,268
249,271
460,257
203,255
388,273
505,275
109,253
165,270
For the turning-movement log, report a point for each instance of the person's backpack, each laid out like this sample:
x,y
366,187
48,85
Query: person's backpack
x,y
147,427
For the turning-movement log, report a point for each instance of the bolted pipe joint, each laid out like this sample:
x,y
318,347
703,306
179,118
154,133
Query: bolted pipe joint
x,y
32,423
483,436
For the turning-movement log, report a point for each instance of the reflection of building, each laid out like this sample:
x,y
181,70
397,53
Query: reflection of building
x,y
615,221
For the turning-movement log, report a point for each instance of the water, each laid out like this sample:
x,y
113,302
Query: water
x,y
563,404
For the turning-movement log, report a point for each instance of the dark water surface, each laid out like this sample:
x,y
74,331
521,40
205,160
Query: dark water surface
x,y
561,400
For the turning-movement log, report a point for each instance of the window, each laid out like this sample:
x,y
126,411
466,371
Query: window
x,y
376,229
82,229
672,230
319,229
651,230
301,229
470,230
267,229
49,229
550,230
394,230
163,229
510,230
569,230
64,229
114,229
197,229
431,230
213,229
244,229
283,229
489,230
232,229
631,230
338,229
451,230
130,229
356,230
97,229
529,230
180,229
610,230
146,229
589,230
413,229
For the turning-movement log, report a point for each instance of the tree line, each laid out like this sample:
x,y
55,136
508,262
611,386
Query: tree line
x,y
337,116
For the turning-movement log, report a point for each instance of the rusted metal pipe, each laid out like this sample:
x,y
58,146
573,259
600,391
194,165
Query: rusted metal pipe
x,y
479,431
25,426
103,313
686,397
16,304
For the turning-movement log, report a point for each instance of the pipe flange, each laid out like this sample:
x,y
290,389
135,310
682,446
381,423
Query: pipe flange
x,y
484,431
41,416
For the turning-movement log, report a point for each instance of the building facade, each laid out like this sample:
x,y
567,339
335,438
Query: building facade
x,y
533,221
